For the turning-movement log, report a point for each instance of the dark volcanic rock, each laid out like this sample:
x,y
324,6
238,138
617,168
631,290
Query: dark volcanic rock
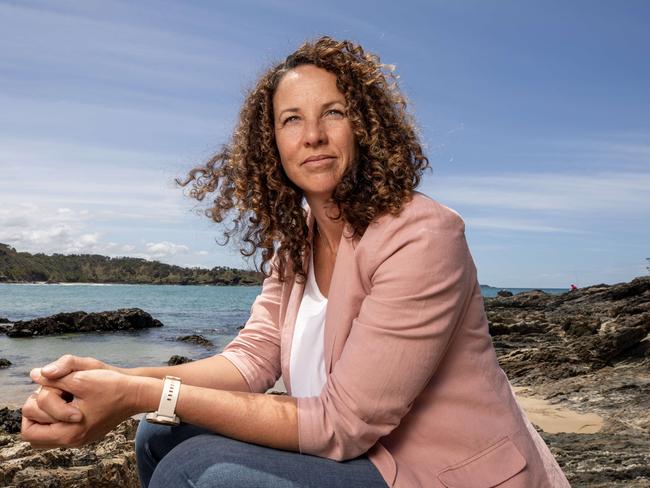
x,y
504,293
10,420
175,359
540,336
122,319
4,363
196,339
4,320
107,463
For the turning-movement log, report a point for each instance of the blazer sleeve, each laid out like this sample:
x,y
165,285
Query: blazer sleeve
x,y
255,352
422,279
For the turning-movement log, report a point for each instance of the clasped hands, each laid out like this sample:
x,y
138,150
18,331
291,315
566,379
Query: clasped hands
x,y
79,401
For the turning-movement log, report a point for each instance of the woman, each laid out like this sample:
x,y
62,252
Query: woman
x,y
371,313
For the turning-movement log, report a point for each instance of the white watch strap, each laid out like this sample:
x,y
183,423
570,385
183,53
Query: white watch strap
x,y
169,397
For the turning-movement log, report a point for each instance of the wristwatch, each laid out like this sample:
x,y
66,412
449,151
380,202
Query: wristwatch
x,y
165,414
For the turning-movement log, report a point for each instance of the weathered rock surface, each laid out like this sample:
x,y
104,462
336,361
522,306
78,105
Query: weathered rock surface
x,y
587,350
196,339
4,363
175,359
118,320
107,463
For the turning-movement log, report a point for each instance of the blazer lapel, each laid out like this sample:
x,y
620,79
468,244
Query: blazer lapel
x,y
338,292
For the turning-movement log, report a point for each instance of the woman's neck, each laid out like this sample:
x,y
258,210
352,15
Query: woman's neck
x,y
329,230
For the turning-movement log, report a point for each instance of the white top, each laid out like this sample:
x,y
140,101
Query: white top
x,y
307,362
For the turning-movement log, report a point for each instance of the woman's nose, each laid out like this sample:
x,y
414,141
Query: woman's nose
x,y
315,133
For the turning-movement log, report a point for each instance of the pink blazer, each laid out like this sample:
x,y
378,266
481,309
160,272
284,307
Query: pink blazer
x,y
413,379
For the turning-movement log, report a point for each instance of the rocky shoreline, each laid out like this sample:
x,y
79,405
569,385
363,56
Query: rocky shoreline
x,y
587,350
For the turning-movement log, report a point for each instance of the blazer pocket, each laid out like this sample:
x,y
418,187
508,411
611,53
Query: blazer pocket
x,y
490,467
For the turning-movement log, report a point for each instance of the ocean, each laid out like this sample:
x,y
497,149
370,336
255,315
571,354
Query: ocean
x,y
215,312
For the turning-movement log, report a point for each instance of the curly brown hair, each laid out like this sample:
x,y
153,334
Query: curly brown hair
x,y
265,206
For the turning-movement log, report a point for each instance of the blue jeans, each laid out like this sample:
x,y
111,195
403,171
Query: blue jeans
x,y
190,456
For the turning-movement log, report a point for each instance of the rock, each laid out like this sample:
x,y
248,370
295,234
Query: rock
x,y
4,320
174,360
10,420
602,460
196,339
107,463
539,337
589,351
504,293
122,319
4,363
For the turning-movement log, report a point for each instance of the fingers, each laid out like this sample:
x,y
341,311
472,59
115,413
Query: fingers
x,y
31,411
49,406
65,383
66,364
47,436
52,403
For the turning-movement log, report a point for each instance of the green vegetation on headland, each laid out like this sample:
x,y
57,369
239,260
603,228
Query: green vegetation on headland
x,y
20,267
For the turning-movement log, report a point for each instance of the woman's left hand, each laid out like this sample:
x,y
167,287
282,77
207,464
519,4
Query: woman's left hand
x,y
104,397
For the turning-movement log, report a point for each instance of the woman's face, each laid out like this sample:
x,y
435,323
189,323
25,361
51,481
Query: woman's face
x,y
312,131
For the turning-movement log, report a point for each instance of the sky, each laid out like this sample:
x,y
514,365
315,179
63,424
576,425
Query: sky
x,y
535,116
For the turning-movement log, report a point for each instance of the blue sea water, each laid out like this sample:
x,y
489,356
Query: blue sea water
x,y
215,312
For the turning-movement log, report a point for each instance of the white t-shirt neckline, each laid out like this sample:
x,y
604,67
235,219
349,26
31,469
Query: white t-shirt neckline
x,y
307,361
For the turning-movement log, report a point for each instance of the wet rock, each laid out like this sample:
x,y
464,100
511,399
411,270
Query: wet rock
x,y
119,320
196,339
175,359
4,363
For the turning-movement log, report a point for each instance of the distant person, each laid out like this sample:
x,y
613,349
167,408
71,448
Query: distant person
x,y
371,313
573,287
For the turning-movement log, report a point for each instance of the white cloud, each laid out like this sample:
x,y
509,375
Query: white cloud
x,y
36,229
569,194
517,225
165,249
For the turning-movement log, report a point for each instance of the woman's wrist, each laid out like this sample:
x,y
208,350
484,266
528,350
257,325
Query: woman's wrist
x,y
143,393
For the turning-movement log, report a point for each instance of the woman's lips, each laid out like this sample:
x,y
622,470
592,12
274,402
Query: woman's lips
x,y
318,161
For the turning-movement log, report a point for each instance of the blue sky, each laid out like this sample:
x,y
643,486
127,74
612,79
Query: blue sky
x,y
535,116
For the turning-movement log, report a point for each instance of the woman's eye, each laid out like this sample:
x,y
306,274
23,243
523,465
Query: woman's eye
x,y
335,112
290,119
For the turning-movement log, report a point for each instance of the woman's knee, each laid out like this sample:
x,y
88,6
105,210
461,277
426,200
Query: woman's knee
x,y
212,461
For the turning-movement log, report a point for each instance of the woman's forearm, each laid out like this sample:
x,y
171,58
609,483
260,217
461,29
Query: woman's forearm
x,y
214,372
268,420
